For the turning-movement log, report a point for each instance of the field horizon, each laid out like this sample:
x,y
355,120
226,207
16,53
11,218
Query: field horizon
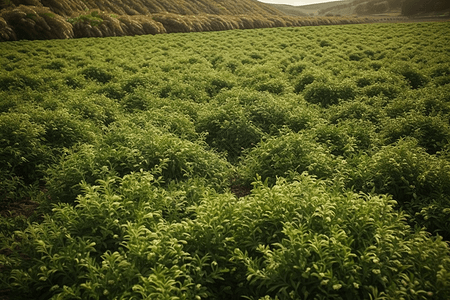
x,y
48,19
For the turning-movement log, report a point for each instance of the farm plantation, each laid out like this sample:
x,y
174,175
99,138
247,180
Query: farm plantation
x,y
280,163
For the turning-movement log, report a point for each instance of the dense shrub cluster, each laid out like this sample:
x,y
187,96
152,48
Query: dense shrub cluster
x,y
285,163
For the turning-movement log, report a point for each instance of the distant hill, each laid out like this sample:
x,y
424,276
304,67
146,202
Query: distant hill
x,y
291,10
308,10
391,8
60,19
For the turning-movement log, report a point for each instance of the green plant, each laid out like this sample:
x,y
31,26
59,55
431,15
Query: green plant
x,y
327,94
97,74
289,152
228,128
130,147
93,19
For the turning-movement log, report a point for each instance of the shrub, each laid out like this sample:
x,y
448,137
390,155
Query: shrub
x,y
403,170
327,94
63,129
290,152
387,90
321,243
268,113
136,81
215,85
169,120
56,65
357,109
181,90
229,128
20,80
127,148
418,180
302,239
304,80
431,132
297,68
105,233
97,74
22,150
413,76
74,81
347,137
274,86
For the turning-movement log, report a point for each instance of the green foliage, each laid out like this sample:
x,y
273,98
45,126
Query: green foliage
x,y
129,147
412,76
129,237
22,150
290,152
306,79
228,128
418,180
93,19
139,152
19,80
97,74
327,94
432,132
334,246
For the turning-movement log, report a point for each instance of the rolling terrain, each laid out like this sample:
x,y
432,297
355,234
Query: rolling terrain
x,y
51,19
391,8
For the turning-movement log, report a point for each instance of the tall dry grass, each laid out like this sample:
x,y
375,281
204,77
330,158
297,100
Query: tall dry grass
x,y
62,19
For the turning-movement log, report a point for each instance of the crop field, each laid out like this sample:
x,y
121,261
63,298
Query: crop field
x,y
280,163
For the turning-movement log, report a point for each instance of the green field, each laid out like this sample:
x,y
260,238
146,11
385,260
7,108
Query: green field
x,y
282,163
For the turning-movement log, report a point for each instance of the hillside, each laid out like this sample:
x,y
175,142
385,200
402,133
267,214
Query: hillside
x,y
393,8
311,9
145,7
62,19
291,10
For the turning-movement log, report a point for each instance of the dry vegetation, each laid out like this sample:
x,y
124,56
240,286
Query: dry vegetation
x,y
51,19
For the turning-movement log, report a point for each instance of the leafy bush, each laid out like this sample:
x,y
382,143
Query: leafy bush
x,y
334,246
357,109
62,128
431,132
297,68
327,94
413,76
304,80
274,86
127,148
229,128
96,108
418,180
347,137
20,80
129,237
215,85
22,149
97,74
269,114
289,152
405,171
99,248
